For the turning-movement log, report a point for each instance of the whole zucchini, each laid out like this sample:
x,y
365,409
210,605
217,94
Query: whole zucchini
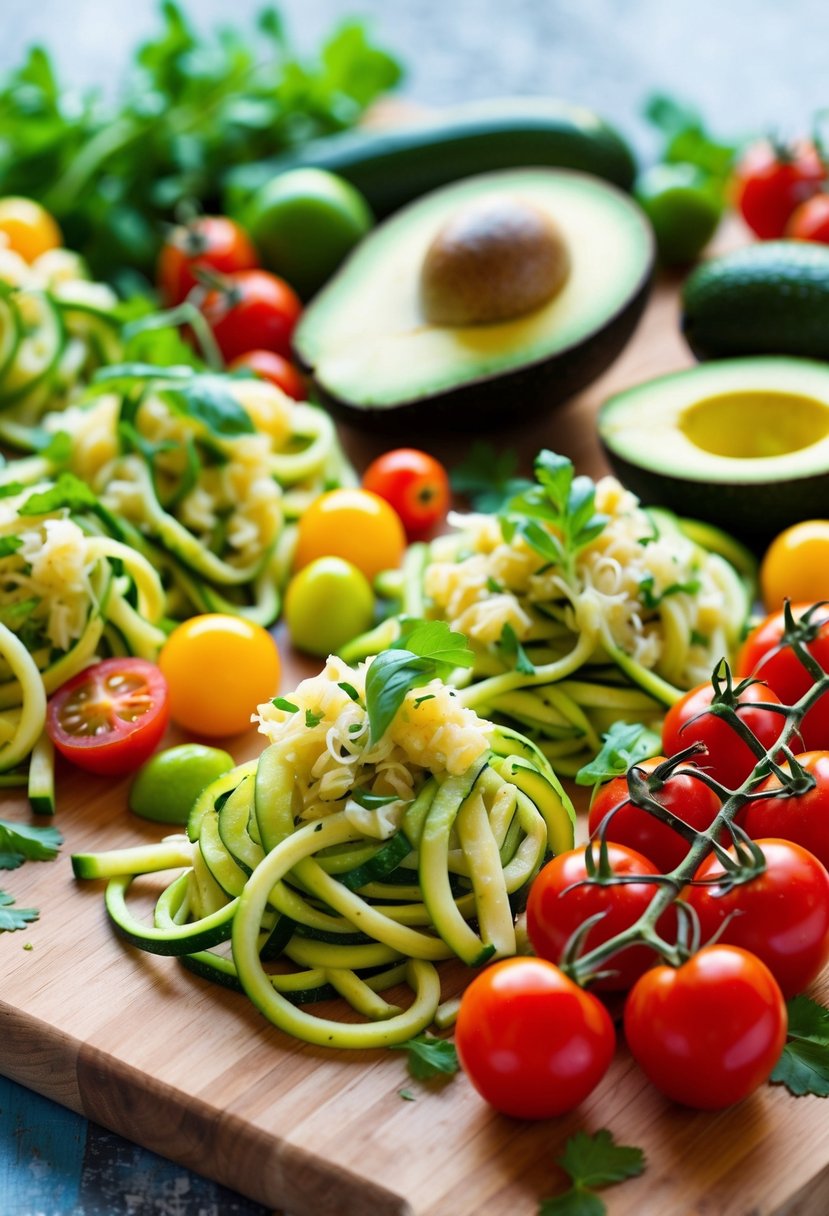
x,y
393,167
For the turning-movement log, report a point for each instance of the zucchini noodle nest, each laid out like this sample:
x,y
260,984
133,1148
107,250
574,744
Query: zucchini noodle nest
x,y
341,865
615,631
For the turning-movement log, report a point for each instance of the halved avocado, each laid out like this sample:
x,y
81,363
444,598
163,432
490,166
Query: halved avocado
x,y
375,356
741,443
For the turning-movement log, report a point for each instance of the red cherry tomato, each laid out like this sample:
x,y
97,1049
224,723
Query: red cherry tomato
x,y
268,365
111,716
415,484
729,760
556,909
771,182
531,1041
252,310
684,795
803,818
765,656
708,1033
810,220
211,243
782,915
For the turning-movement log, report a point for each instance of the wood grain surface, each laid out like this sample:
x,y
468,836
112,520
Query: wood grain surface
x,y
195,1073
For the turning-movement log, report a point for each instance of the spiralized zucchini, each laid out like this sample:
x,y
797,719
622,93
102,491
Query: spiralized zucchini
x,y
582,612
341,865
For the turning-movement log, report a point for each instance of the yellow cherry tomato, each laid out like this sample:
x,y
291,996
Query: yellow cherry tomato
x,y
796,565
218,669
29,229
356,525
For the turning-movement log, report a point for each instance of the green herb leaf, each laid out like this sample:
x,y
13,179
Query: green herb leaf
x,y
514,652
207,398
349,690
369,801
406,1095
487,477
68,492
804,1065
653,599
432,651
591,1162
287,706
312,719
625,744
11,917
429,1057
31,842
9,545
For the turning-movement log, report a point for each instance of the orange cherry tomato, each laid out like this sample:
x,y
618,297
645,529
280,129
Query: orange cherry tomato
x,y
354,524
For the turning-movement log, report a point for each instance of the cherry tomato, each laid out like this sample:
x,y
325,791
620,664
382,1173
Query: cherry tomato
x,y
28,228
771,182
782,915
415,484
219,668
111,716
803,818
810,220
776,664
729,759
708,1033
531,1041
211,243
327,603
795,566
682,794
268,365
556,908
356,525
252,310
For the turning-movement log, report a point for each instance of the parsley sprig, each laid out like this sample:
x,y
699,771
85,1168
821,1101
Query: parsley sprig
x,y
21,842
428,1057
591,1162
804,1065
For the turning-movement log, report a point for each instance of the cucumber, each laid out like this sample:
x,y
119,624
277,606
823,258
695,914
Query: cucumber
x,y
771,298
391,168
41,340
42,777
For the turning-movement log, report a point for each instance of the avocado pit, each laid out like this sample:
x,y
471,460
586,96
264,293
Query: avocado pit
x,y
492,260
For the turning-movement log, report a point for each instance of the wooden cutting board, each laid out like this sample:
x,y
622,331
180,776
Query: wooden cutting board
x,y
137,1044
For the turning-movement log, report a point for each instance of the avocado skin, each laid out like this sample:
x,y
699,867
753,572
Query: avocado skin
x,y
394,167
506,400
769,298
728,506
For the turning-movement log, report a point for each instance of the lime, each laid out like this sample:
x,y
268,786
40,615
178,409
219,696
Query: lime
x,y
684,208
304,222
327,604
166,787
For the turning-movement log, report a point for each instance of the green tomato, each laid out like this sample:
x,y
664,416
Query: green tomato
x,y
327,603
166,787
304,222
684,208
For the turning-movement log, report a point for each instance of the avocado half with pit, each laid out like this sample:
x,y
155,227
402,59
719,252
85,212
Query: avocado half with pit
x,y
741,443
481,303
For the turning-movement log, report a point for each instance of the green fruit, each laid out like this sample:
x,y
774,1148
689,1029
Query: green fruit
x,y
684,208
166,787
304,223
327,604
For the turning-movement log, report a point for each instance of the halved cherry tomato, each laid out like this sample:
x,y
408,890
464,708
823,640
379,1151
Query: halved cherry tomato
x,y
729,758
810,220
781,915
219,668
770,182
708,1033
684,795
252,310
211,243
415,484
803,818
561,901
356,525
531,1041
268,365
111,716
766,656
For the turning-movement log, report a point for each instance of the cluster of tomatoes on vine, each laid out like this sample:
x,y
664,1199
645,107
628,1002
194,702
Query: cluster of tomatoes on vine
x,y
706,931
780,190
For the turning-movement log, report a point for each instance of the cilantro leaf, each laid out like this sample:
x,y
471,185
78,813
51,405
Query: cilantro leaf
x,y
11,917
487,477
625,744
32,843
591,1162
432,650
429,1057
803,1066
514,652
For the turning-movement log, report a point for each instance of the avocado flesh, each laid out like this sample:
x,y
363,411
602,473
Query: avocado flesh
x,y
368,345
742,443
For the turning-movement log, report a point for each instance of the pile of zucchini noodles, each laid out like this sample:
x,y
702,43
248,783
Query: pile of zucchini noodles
x,y
642,612
327,887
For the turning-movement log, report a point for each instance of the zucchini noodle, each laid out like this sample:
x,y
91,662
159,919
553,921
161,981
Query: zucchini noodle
x,y
338,865
614,631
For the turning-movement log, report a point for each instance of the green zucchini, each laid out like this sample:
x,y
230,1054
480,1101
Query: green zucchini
x,y
391,168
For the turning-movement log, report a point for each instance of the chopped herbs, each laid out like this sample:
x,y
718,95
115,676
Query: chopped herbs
x,y
312,719
513,652
429,1057
369,801
349,690
652,599
286,705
